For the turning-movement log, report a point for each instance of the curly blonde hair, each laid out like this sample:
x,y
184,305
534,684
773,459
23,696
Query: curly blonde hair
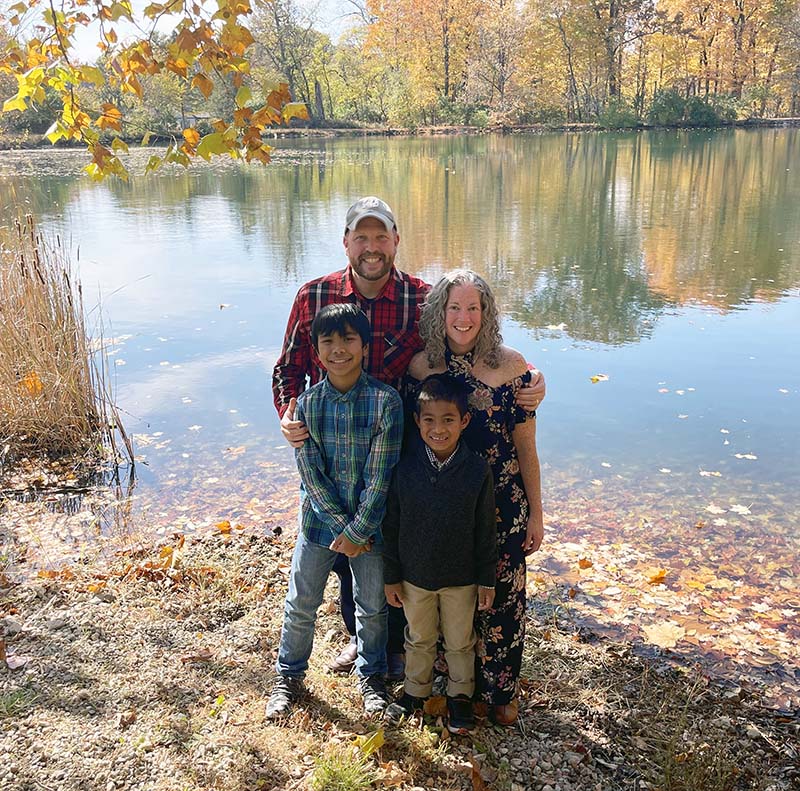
x,y
432,327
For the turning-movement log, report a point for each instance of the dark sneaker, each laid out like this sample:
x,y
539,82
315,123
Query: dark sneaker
x,y
404,706
373,690
285,691
396,667
459,714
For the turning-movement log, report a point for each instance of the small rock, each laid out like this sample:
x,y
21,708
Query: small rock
x,y
11,626
105,596
573,759
55,623
547,788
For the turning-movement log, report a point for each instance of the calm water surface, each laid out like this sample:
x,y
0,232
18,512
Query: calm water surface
x,y
669,262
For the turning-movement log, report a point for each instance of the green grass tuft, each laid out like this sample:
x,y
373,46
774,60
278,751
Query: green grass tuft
x,y
342,771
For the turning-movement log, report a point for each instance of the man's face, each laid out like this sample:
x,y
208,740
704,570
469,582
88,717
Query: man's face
x,y
341,355
371,249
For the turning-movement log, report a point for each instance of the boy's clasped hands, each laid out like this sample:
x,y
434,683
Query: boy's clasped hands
x,y
344,545
394,596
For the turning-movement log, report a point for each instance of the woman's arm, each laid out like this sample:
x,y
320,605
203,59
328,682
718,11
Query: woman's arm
x,y
525,442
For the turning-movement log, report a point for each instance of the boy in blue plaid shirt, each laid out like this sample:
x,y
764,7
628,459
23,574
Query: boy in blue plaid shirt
x,y
355,425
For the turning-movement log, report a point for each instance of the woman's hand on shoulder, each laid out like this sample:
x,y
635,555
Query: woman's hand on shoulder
x,y
531,395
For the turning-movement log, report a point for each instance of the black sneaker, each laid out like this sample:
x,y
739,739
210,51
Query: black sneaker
x,y
459,714
285,691
373,690
404,706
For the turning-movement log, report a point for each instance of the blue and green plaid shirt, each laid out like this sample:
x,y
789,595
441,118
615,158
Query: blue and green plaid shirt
x,y
346,464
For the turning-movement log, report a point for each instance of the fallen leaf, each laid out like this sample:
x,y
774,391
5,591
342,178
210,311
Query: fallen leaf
x,y
203,655
657,577
478,783
436,706
710,474
751,456
126,719
224,526
740,509
370,743
599,378
585,563
664,634
391,774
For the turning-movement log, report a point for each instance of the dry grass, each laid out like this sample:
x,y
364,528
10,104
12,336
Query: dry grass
x,y
54,388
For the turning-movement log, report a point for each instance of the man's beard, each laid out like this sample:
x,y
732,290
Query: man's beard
x,y
361,271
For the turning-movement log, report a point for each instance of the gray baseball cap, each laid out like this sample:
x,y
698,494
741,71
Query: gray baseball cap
x,y
370,207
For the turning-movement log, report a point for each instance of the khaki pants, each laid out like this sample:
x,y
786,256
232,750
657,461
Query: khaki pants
x,y
449,612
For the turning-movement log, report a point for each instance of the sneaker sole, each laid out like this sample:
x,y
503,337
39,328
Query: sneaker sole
x,y
460,731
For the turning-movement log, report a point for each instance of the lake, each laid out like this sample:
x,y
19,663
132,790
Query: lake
x,y
666,265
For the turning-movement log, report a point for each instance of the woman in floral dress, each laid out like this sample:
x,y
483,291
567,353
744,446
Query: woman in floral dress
x,y
460,326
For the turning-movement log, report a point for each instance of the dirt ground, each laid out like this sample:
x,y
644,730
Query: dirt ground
x,y
153,675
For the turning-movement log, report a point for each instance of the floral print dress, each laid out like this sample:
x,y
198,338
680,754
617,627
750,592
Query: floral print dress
x,y
501,630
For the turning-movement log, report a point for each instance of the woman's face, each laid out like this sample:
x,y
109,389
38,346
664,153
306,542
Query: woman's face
x,y
463,317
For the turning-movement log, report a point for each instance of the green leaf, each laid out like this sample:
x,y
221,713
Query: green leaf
x,y
210,145
146,139
243,96
154,163
118,144
14,103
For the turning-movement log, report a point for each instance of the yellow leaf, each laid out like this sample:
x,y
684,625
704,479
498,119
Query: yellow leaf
x,y
295,110
224,526
111,118
371,743
599,378
32,383
191,136
657,576
118,144
14,103
146,138
154,163
93,75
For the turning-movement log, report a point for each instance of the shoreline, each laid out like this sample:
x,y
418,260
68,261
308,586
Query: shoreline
x,y
23,142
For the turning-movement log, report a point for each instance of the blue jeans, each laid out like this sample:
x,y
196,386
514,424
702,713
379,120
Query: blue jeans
x,y
311,566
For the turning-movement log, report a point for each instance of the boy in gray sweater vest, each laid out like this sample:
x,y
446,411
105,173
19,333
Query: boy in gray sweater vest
x,y
440,550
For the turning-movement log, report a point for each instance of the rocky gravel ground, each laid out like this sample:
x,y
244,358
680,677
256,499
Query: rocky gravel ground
x,y
153,674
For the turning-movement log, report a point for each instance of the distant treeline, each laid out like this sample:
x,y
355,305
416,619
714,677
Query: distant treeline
x,y
407,63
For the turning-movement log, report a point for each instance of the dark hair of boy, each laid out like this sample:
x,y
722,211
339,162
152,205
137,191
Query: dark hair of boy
x,y
442,387
340,318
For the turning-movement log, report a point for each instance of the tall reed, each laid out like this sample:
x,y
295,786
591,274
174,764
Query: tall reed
x,y
54,384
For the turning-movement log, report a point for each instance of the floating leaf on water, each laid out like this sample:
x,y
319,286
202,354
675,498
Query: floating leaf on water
x,y
724,431
665,635
745,456
710,474
682,417
740,509
665,469
195,428
715,509
598,378
719,522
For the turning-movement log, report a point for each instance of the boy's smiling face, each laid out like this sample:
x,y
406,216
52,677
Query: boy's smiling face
x,y
440,426
341,356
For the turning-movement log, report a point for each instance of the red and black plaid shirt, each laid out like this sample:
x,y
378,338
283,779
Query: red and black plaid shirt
x,y
393,317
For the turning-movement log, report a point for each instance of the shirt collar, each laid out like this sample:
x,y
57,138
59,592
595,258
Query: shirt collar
x,y
440,465
389,291
335,395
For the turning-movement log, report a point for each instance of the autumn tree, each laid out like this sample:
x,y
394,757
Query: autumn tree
x,y
208,47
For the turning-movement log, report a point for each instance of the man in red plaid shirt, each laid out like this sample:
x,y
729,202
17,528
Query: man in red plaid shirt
x,y
391,300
